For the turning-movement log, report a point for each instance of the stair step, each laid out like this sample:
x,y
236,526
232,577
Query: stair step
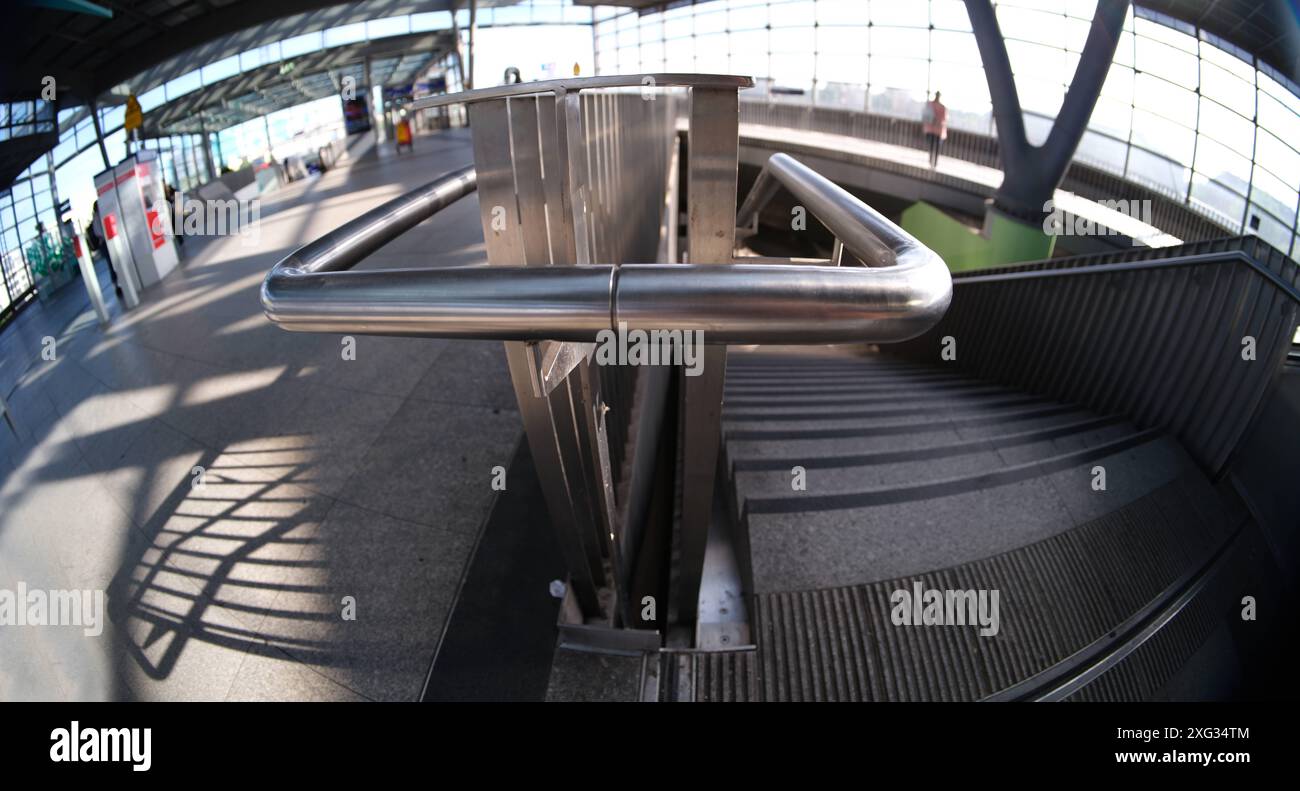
x,y
918,405
914,472
884,394
1056,596
952,419
929,448
826,476
822,541
846,377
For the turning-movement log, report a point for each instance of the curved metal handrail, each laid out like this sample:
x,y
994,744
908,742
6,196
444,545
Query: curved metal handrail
x,y
309,291
861,229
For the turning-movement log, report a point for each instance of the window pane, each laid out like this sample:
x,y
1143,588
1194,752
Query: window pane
x,y
652,30
1037,61
1226,126
1226,89
747,17
1124,50
115,145
430,20
151,99
797,40
1157,134
711,54
1271,87
1277,157
790,14
842,68
847,96
184,84
955,48
949,15
113,118
1165,61
226,67
1101,152
1278,197
749,53
898,86
793,69
1030,25
1227,62
1112,117
843,12
1163,175
652,56
1163,34
85,135
1278,119
900,42
66,148
678,24
1038,96
965,93
1222,164
911,14
345,34
299,45
391,26
1165,99
1270,230
259,56
1119,84
1037,128
842,40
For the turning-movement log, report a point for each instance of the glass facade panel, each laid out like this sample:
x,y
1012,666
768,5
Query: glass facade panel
x,y
183,84
1267,228
1274,195
1155,132
1158,173
1176,65
215,72
1239,135
1223,164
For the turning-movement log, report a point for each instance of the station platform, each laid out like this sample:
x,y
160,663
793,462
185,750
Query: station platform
x,y
968,177
234,487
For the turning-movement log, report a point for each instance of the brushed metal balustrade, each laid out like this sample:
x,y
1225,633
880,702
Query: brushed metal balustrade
x,y
584,173
311,291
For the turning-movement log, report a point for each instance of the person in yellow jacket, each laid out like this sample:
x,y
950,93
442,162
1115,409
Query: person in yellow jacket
x,y
404,135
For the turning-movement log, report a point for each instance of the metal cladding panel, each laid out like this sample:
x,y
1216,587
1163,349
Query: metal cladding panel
x,y
563,179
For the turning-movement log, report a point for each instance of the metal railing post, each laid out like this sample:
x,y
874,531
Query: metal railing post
x,y
713,146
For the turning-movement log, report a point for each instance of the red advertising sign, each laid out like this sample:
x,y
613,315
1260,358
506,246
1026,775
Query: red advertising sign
x,y
155,228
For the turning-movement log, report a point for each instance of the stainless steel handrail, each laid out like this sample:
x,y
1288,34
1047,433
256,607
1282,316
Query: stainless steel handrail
x,y
308,291
864,231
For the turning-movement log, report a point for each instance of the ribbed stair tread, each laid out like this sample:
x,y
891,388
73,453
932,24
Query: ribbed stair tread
x,y
916,474
1056,597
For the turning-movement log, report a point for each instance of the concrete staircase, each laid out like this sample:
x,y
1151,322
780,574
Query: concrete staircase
x,y
853,477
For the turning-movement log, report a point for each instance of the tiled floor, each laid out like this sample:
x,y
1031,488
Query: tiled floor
x,y
234,487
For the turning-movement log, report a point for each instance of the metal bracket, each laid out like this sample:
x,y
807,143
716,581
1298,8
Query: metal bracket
x,y
550,362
